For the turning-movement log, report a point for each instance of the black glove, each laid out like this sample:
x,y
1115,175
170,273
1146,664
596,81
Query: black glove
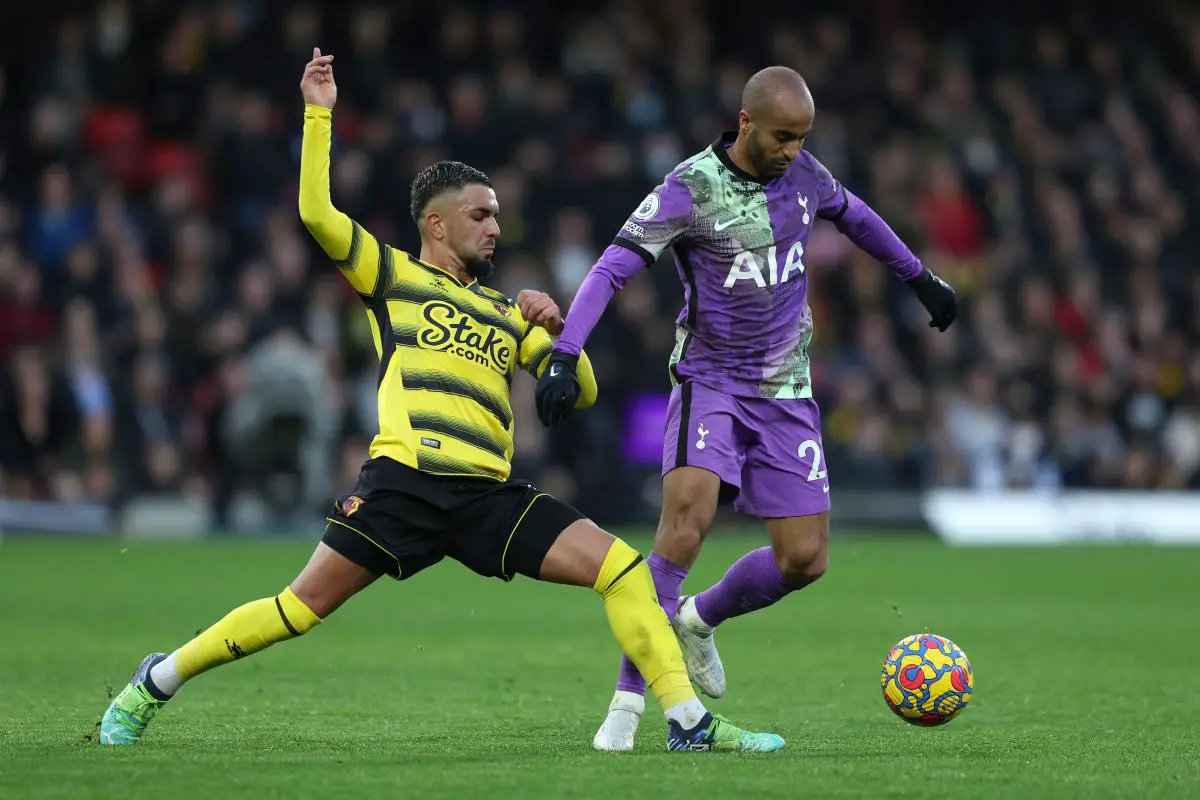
x,y
557,389
937,297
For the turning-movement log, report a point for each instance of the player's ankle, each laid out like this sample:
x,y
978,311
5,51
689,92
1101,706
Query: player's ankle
x,y
689,616
687,715
628,701
163,679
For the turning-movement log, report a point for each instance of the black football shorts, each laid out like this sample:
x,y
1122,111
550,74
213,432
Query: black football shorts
x,y
398,521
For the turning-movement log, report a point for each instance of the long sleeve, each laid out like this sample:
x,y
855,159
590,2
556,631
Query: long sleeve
x,y
662,219
352,249
861,225
616,266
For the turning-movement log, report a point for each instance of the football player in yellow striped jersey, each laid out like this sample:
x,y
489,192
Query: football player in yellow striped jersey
x,y
437,481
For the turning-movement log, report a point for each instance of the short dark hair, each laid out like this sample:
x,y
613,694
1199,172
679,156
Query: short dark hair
x,y
444,176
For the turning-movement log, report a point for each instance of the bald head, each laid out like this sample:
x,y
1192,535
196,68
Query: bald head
x,y
776,117
776,90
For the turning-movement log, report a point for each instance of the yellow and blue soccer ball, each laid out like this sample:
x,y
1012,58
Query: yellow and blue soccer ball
x,y
926,679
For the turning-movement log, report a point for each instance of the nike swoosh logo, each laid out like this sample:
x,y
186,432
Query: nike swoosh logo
x,y
555,370
825,488
717,226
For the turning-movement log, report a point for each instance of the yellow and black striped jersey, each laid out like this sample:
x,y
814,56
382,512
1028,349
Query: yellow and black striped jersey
x,y
448,350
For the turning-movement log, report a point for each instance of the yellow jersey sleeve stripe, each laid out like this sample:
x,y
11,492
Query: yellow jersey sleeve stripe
x,y
588,388
351,259
379,307
535,347
533,365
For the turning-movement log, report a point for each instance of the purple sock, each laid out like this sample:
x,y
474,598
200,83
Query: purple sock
x,y
753,582
668,578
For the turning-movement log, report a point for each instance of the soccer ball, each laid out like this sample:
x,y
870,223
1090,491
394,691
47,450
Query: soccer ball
x,y
926,679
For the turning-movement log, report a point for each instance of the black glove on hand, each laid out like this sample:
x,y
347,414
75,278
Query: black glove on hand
x,y
557,389
937,297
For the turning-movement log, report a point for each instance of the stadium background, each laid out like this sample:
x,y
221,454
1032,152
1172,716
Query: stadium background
x,y
176,353
177,360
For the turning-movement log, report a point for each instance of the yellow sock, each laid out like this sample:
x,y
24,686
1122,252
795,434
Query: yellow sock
x,y
245,630
640,625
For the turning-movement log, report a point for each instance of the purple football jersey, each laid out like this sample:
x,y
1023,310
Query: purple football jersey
x,y
739,246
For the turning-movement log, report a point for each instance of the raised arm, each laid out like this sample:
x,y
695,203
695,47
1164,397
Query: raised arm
x,y
352,249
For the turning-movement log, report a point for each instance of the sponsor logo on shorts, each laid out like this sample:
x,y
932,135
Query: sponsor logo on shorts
x,y
351,505
703,431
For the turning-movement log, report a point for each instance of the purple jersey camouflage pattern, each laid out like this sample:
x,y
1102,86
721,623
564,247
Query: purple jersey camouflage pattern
x,y
739,250
738,245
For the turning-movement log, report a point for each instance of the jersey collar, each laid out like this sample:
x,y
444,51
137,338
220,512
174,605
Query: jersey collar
x,y
441,272
720,147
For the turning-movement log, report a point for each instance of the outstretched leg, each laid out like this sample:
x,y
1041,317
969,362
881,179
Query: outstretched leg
x,y
690,496
584,555
328,580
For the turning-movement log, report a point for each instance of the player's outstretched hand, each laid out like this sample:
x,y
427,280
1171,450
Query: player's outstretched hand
x,y
317,85
539,308
938,298
557,388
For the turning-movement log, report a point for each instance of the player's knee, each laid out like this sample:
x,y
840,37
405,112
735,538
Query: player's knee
x,y
320,600
687,516
803,562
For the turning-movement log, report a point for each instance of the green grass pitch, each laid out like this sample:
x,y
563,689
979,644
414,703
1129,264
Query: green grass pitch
x,y
1087,681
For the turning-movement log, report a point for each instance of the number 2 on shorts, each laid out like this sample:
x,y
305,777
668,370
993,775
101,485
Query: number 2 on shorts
x,y
816,473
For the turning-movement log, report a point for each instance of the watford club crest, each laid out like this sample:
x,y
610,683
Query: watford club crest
x,y
350,505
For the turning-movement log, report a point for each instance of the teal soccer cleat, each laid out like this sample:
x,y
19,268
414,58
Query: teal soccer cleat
x,y
131,711
717,734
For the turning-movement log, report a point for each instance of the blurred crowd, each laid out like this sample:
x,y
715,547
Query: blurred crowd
x,y
167,326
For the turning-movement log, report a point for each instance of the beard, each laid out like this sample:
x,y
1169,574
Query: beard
x,y
480,268
763,167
